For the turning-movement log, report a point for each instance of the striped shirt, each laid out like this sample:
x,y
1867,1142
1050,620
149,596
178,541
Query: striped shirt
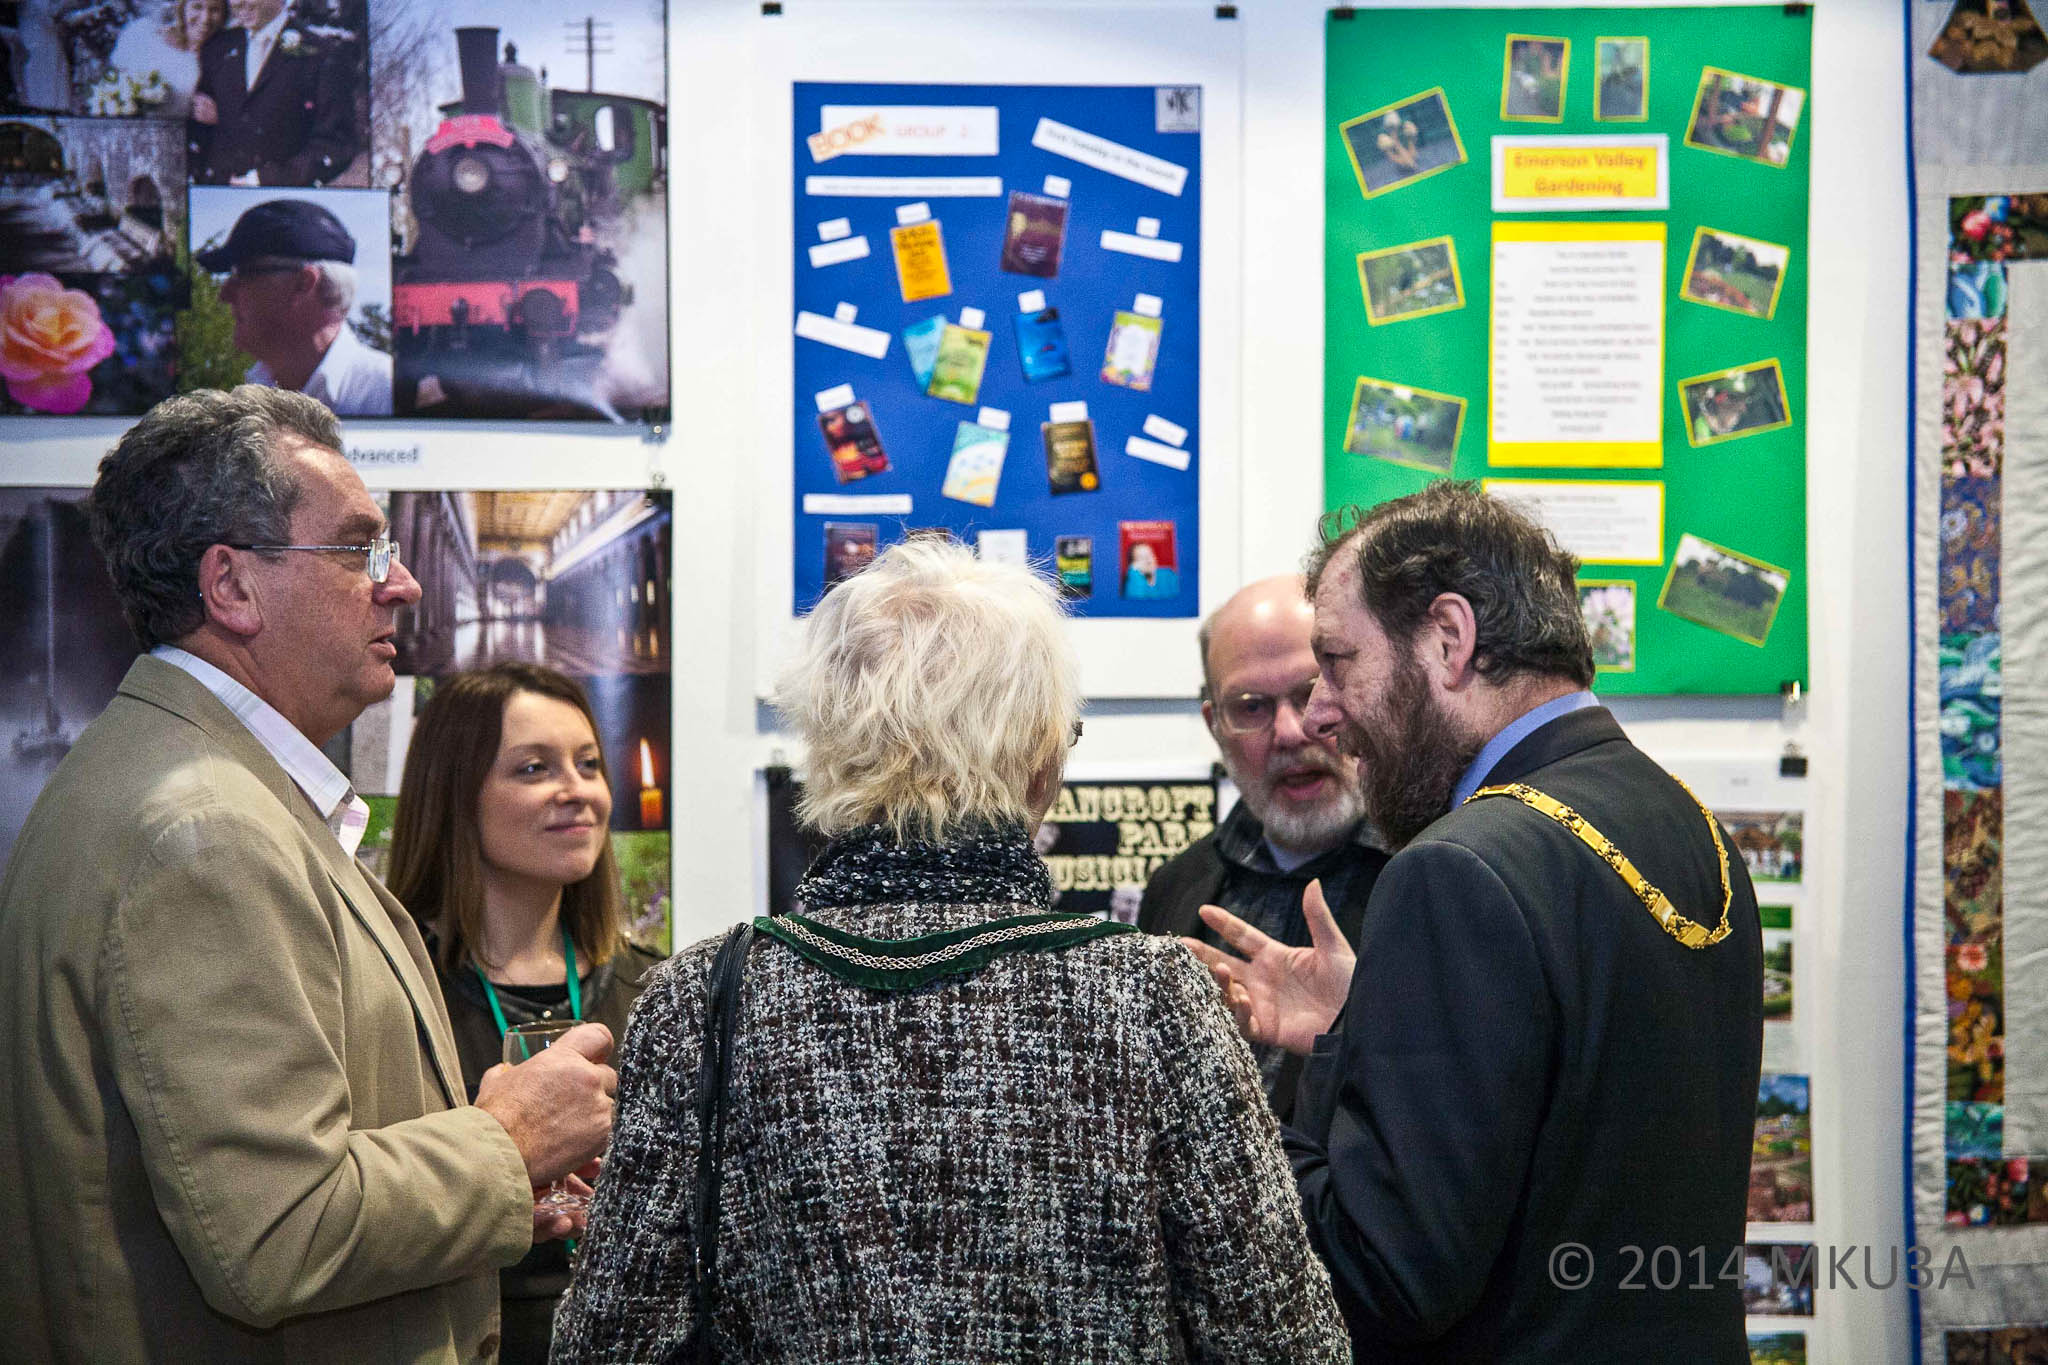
x,y
325,785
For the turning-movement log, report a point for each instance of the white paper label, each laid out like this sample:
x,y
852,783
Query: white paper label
x,y
972,319
907,214
847,337
1156,453
1173,433
1075,410
845,312
1145,306
1031,301
904,130
1131,244
1601,523
836,253
1113,157
904,186
1058,187
995,419
1578,341
832,229
1003,547
857,504
1148,227
838,396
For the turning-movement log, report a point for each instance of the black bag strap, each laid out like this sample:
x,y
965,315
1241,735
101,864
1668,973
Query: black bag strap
x,y
728,974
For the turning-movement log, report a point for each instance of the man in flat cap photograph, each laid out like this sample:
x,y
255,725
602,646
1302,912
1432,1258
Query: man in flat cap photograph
x,y
291,283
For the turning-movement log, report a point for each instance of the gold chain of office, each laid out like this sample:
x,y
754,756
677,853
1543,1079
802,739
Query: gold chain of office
x,y
1687,932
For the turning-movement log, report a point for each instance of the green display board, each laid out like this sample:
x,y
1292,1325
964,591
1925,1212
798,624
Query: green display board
x,y
1566,253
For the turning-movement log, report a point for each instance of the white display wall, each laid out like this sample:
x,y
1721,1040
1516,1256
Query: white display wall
x,y
725,334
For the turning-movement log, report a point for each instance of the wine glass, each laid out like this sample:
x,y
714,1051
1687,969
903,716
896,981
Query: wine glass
x,y
523,1042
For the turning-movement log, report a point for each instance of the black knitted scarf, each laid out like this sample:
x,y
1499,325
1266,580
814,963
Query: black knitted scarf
x,y
993,866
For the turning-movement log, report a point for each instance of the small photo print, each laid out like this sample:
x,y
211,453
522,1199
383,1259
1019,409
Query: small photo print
x,y
1609,607
1777,1279
1405,425
921,341
1713,586
1770,842
1740,274
977,464
1042,345
1410,281
1621,79
1743,116
1789,1348
252,321
1070,464
1777,976
957,369
851,441
1740,402
1148,564
920,250
1402,142
1781,1152
1133,350
849,547
1533,75
1073,559
1035,232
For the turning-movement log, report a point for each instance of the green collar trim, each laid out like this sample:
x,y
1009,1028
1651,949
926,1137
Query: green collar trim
x,y
902,964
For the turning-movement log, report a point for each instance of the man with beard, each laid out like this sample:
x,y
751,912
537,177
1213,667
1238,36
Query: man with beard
x,y
1541,1068
1299,821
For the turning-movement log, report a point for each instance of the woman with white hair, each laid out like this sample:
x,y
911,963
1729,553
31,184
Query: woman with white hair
x,y
952,1126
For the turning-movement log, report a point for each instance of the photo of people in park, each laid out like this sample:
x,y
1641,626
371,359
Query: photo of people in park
x,y
1739,274
1739,402
1533,77
1609,608
1621,79
1713,586
1405,425
1410,281
1743,116
1771,842
1777,1279
1400,143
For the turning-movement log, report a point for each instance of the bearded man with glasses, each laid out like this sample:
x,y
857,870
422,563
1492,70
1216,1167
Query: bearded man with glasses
x,y
1299,822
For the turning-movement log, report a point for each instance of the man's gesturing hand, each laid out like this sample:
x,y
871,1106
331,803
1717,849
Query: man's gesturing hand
x,y
1279,994
557,1106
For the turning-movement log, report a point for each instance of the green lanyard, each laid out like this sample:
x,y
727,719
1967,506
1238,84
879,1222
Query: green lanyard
x,y
575,988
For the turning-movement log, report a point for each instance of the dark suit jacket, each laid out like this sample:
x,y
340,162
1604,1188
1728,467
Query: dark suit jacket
x,y
295,126
1527,1060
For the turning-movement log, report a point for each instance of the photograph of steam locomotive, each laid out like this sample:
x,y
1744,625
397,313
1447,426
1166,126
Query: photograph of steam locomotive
x,y
526,148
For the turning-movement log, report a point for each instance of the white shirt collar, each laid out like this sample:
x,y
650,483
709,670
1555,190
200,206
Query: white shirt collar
x,y
261,42
325,785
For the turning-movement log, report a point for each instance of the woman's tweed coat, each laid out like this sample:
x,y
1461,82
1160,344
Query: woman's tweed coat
x,y
1063,1156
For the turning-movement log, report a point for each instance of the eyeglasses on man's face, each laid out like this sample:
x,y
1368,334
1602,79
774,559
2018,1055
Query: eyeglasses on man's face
x,y
1251,713
378,556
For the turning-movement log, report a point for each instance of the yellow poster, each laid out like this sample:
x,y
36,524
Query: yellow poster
x,y
921,260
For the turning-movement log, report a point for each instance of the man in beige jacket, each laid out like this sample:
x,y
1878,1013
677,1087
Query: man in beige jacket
x,y
232,1124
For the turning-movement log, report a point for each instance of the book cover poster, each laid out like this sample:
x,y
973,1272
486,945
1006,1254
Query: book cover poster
x,y
1036,232
960,251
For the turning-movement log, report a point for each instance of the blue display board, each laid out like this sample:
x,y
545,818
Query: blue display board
x,y
1124,282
